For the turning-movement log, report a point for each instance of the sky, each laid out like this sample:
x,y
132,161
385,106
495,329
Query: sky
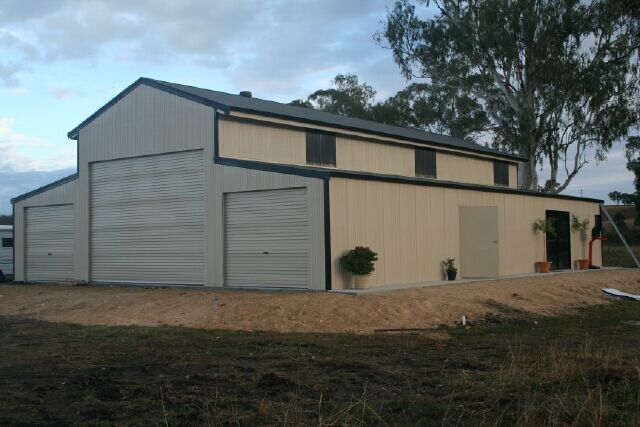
x,y
60,60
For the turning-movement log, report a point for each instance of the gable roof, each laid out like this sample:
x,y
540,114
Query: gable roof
x,y
228,102
44,188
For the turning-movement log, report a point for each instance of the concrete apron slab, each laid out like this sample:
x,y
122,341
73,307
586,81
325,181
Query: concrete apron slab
x,y
390,288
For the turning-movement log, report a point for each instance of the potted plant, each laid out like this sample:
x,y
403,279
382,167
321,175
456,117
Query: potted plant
x,y
544,226
450,268
581,226
359,262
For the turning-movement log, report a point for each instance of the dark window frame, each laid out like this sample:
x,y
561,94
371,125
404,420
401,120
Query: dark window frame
x,y
321,148
426,164
7,242
501,173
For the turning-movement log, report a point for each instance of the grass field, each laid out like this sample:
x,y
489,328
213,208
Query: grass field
x,y
580,369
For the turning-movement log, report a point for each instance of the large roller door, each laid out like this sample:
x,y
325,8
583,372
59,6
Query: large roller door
x,y
147,219
49,237
266,239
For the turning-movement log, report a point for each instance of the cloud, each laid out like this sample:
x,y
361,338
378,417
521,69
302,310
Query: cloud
x,y
20,152
15,91
60,92
13,184
268,46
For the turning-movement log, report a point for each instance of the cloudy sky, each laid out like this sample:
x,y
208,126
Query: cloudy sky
x,y
60,60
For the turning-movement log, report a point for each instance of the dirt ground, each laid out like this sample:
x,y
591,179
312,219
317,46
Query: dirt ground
x,y
313,312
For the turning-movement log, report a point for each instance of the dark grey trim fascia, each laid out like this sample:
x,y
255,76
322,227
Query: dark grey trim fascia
x,y
454,185
216,140
435,146
322,173
271,167
73,134
327,236
44,188
489,152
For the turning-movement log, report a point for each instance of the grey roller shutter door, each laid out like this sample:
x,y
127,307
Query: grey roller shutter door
x,y
49,238
266,239
147,219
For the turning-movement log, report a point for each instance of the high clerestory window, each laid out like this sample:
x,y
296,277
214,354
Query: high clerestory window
x,y
321,148
426,163
501,173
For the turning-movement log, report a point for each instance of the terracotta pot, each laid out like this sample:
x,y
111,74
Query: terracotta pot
x,y
543,266
361,281
583,264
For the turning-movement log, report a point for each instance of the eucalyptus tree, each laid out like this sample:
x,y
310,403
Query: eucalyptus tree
x,y
557,80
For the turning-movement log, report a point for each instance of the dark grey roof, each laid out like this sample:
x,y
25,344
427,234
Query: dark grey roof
x,y
226,101
44,188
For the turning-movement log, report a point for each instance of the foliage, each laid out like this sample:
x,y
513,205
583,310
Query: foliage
x,y
558,81
544,226
6,219
449,265
633,165
621,198
421,106
579,224
359,260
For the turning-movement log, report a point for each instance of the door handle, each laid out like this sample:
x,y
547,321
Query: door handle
x,y
265,253
495,241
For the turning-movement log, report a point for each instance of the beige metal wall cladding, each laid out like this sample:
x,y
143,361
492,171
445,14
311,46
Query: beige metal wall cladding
x,y
64,194
266,238
413,228
147,219
267,142
49,240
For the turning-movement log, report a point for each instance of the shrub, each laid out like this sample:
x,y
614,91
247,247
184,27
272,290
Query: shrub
x,y
359,260
449,265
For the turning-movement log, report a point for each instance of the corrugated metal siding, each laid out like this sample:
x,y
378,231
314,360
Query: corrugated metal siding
x,y
147,219
228,179
414,228
49,240
266,238
63,194
267,143
261,142
145,122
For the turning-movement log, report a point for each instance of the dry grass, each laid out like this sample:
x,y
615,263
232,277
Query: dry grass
x,y
580,369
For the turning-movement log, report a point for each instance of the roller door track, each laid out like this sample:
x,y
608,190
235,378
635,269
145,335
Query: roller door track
x,y
266,239
49,237
147,219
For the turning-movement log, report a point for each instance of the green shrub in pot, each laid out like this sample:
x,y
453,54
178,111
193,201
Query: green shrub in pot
x,y
360,263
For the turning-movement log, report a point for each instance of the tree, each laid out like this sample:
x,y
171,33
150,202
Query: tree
x,y
348,97
421,106
6,219
558,80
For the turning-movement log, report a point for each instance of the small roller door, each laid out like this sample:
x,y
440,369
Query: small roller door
x,y
147,219
49,237
266,239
